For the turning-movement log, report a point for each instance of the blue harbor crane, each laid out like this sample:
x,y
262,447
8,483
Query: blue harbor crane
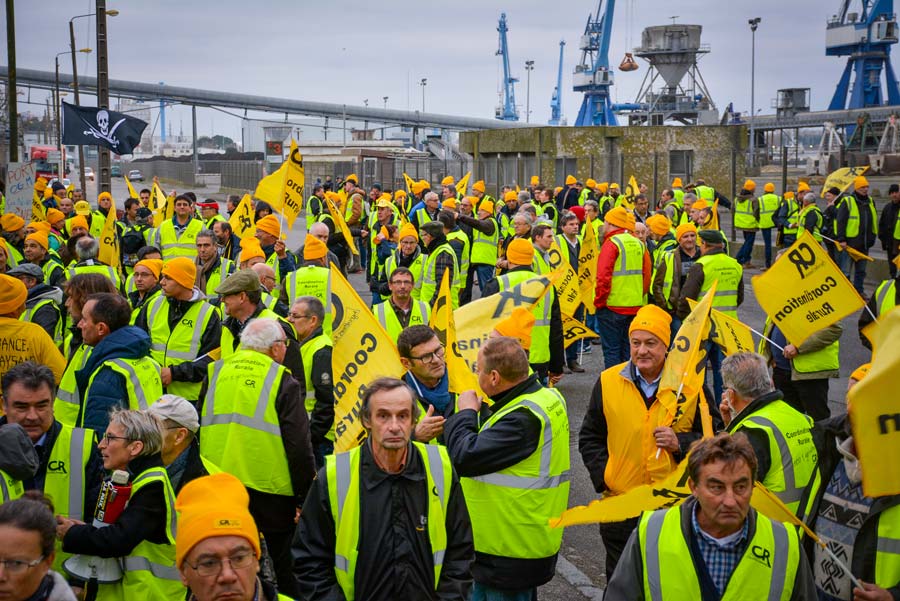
x,y
592,75
556,100
866,37
507,111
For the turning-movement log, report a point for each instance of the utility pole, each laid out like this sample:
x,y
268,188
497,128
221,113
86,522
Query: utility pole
x,y
423,83
77,100
11,99
102,92
754,23
529,67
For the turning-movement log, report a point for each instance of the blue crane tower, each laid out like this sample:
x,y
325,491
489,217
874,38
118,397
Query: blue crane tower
x,y
556,100
593,76
866,37
507,111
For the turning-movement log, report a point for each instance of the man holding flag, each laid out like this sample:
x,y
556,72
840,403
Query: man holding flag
x,y
627,438
856,227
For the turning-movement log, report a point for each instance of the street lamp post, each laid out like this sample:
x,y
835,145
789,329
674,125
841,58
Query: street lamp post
x,y
529,67
423,83
385,98
57,107
754,23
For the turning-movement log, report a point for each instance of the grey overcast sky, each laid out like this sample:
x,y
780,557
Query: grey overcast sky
x,y
345,51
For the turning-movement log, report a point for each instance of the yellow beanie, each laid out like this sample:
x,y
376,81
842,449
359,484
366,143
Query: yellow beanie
x,y
535,180
154,265
804,187
570,180
269,224
408,229
769,187
450,203
861,372
40,226
618,216
48,192
182,270
103,195
651,318
54,215
11,222
40,184
659,224
510,195
684,228
750,185
251,248
399,194
448,181
518,325
419,187
789,194
12,294
352,178
603,187
478,186
40,237
700,205
78,221
676,183
210,506
591,183
314,249
486,205
858,182
520,251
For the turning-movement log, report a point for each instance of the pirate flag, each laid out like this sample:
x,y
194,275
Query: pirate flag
x,y
91,126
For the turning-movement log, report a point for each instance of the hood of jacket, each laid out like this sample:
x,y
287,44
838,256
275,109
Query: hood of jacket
x,y
42,291
17,455
129,342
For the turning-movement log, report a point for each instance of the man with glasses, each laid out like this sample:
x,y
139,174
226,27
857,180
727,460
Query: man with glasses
x,y
307,316
401,310
422,355
252,425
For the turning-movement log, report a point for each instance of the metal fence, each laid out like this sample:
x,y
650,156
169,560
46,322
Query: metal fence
x,y
241,175
181,172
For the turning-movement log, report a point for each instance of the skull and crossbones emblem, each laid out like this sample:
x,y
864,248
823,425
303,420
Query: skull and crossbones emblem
x,y
103,131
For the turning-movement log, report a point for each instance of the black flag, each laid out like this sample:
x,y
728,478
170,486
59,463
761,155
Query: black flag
x,y
92,126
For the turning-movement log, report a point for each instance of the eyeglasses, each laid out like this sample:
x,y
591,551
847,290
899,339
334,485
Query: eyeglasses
x,y
298,316
107,437
17,566
212,566
429,357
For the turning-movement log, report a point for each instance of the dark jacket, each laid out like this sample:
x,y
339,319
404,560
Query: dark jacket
x,y
759,440
886,223
186,467
144,518
557,339
109,388
694,283
137,302
395,557
292,359
507,442
595,431
94,473
826,434
865,239
442,262
47,316
321,420
627,581
567,198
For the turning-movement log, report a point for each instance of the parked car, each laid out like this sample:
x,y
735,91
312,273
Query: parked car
x,y
89,173
135,176
115,171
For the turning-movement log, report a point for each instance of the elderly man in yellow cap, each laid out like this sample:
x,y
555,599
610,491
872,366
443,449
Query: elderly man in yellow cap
x,y
672,268
217,546
268,232
36,250
661,237
485,240
374,236
627,438
177,237
312,278
23,340
183,327
623,278
12,229
547,353
409,255
856,227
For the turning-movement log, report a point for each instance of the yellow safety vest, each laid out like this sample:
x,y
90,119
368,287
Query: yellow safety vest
x,y
794,457
529,492
853,219
793,209
417,267
817,233
429,278
28,315
65,482
181,345
705,192
885,297
826,359
670,573
484,247
342,472
420,315
67,404
10,488
627,285
466,252
225,268
540,332
743,214
106,270
173,244
312,280
768,206
727,271
239,413
142,381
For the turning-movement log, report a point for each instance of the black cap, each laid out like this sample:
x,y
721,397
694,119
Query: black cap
x,y
711,236
837,191
144,212
893,188
57,185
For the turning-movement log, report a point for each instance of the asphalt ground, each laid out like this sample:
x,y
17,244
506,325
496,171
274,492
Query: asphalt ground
x,y
580,567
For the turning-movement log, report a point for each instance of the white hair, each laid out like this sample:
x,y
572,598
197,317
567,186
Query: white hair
x,y
261,334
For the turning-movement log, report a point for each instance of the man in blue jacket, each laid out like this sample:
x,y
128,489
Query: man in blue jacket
x,y
119,367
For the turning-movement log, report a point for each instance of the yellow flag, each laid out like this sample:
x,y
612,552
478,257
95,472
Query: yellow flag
x,y
271,188
109,252
459,374
804,291
243,217
38,211
729,333
566,284
362,351
854,254
409,183
131,191
842,178
575,330
462,185
475,320
587,266
341,224
294,180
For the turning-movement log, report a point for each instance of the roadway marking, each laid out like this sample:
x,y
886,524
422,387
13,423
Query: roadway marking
x,y
578,579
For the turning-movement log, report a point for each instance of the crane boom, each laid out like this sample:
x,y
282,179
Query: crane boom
x,y
508,111
556,100
592,75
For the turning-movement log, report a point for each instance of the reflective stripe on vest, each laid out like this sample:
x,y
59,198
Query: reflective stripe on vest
x,y
484,247
768,206
105,270
420,314
669,570
852,230
727,272
162,347
790,216
66,486
67,405
143,389
743,215
307,351
816,232
466,252
885,297
342,474
539,352
312,280
28,315
429,277
10,488
173,244
627,284
226,267
887,555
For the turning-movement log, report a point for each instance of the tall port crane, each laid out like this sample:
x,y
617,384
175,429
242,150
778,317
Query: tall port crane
x,y
507,111
556,101
866,37
592,75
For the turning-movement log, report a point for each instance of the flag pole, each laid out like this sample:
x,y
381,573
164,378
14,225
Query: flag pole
x,y
764,337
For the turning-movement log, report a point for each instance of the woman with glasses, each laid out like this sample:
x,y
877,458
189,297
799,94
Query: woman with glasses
x,y
27,534
143,536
